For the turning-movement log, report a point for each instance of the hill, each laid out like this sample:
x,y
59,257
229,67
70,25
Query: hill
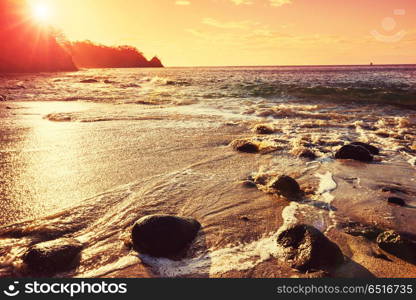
x,y
86,54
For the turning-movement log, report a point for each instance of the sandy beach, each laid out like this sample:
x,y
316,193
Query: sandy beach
x,y
90,169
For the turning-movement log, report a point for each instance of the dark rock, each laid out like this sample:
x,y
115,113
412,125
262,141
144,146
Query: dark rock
x,y
3,98
89,81
309,249
373,150
383,134
397,201
245,146
381,256
263,129
108,81
53,256
398,245
354,152
393,189
358,229
286,186
262,179
249,184
155,63
405,149
306,153
162,235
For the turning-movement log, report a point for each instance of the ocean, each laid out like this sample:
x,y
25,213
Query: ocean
x,y
388,83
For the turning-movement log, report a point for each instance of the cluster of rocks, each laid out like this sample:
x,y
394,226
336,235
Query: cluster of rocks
x,y
92,80
155,235
356,151
304,246
3,98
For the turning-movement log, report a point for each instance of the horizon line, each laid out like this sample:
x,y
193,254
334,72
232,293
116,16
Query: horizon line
x,y
271,66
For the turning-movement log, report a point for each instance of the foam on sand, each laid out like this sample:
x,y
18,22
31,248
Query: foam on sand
x,y
326,186
240,257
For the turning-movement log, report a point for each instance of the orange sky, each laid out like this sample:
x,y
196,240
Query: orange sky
x,y
246,32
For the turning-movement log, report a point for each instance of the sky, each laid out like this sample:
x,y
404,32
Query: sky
x,y
244,32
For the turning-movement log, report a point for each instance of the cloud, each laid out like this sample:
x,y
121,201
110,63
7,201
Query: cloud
x,y
238,2
262,38
278,3
274,3
183,2
229,25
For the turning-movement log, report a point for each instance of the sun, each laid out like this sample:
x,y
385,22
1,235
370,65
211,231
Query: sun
x,y
41,12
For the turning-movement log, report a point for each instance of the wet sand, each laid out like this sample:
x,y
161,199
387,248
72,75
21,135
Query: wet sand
x,y
89,171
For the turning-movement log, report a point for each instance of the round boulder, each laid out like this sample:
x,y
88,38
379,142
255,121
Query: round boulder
x,y
396,201
162,235
264,129
245,146
53,256
306,153
286,186
308,249
373,150
354,152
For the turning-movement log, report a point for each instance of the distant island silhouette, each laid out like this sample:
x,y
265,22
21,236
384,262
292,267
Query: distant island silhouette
x,y
26,46
86,54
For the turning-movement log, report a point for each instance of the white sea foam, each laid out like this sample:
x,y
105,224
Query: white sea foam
x,y
326,186
412,161
122,263
239,257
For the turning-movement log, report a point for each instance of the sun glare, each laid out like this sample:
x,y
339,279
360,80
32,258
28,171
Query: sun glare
x,y
41,12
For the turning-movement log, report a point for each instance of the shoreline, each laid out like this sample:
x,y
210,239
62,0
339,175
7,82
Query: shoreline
x,y
178,161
